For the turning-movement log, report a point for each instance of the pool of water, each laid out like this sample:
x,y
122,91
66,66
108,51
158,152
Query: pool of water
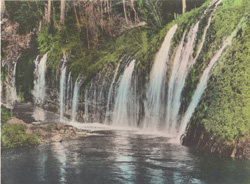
x,y
119,156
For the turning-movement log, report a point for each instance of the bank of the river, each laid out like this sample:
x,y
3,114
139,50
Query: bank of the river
x,y
202,141
17,133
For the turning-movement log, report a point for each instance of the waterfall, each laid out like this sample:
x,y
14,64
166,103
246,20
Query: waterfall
x,y
94,105
204,79
178,75
154,105
69,93
109,102
99,108
122,100
205,32
62,88
77,86
13,86
86,106
11,94
39,82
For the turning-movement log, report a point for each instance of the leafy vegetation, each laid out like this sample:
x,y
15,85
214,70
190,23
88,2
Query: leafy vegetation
x,y
4,71
14,135
26,13
224,107
50,127
68,40
6,114
224,21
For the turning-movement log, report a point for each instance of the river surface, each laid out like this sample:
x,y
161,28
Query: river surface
x,y
118,156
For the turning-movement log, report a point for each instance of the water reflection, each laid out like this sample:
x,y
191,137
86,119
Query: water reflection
x,y
119,157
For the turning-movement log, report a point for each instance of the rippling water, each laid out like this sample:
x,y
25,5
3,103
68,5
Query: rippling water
x,y
118,156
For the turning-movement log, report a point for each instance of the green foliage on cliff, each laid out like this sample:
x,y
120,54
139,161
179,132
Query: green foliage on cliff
x,y
140,43
225,20
224,108
14,135
26,13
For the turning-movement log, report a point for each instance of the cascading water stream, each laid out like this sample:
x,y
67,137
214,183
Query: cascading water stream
x,y
109,102
39,82
154,105
181,66
205,32
62,88
77,86
86,106
69,93
204,80
178,76
120,115
13,93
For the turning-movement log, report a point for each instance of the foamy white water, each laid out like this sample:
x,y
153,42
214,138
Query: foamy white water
x,y
154,105
62,88
204,79
120,114
178,77
39,91
77,86
110,94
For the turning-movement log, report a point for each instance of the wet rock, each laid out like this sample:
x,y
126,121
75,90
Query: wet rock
x,y
56,138
202,141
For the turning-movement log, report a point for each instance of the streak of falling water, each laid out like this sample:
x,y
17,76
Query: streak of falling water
x,y
178,76
39,82
86,106
77,86
204,79
69,93
120,116
205,33
109,102
13,94
154,105
62,89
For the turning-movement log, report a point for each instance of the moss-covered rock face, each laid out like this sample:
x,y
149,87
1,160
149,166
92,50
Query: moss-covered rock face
x,y
225,106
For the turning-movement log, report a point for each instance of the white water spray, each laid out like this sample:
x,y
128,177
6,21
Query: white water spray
x,y
110,94
75,98
120,115
178,76
39,82
204,80
62,88
154,105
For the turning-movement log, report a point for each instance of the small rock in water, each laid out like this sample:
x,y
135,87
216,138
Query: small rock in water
x,y
56,138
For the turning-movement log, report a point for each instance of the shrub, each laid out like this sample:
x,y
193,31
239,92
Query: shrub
x,y
14,135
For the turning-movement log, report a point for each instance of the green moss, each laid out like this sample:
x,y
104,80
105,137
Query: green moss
x,y
6,114
225,19
14,135
50,127
4,72
225,105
